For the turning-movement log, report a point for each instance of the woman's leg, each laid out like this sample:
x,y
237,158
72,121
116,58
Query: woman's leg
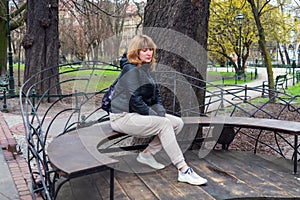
x,y
155,145
145,125
163,127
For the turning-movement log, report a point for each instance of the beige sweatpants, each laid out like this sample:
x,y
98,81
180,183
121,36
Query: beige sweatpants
x,y
165,128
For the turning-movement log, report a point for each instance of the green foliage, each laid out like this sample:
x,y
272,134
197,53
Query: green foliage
x,y
279,26
224,30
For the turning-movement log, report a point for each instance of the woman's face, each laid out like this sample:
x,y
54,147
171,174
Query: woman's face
x,y
145,55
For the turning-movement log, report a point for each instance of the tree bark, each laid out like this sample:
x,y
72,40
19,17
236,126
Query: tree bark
x,y
41,44
263,47
186,17
182,44
16,20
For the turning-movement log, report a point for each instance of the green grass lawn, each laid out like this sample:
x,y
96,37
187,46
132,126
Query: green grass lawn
x,y
101,77
229,78
294,90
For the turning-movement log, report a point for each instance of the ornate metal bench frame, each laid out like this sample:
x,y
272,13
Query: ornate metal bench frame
x,y
38,128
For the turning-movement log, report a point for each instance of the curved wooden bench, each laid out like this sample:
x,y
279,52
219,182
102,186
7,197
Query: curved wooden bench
x,y
280,81
75,154
288,127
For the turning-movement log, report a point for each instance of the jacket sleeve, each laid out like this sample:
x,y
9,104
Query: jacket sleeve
x,y
133,86
157,103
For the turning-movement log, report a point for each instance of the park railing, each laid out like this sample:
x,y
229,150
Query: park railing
x,y
47,115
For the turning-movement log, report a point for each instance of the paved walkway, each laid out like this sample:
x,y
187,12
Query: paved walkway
x,y
7,186
14,181
13,167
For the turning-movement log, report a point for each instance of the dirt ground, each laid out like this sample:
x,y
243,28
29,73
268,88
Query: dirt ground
x,y
244,143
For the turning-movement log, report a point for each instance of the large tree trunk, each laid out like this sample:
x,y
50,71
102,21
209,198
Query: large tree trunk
x,y
181,23
180,30
41,44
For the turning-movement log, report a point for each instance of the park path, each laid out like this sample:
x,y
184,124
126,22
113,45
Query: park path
x,y
251,93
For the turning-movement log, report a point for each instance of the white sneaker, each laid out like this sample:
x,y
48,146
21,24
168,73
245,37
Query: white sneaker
x,y
149,160
189,176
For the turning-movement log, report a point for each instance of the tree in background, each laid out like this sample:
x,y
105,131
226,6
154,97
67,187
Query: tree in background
x,y
41,43
286,31
16,21
84,25
83,28
90,24
224,32
266,23
258,10
189,18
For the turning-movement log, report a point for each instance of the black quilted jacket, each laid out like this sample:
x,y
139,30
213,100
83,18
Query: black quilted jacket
x,y
137,91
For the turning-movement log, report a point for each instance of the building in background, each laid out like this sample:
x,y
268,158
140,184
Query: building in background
x,y
133,23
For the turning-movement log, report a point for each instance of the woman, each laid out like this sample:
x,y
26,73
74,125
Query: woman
x,y
136,109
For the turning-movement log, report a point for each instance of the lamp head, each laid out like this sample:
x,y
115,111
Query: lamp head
x,y
240,18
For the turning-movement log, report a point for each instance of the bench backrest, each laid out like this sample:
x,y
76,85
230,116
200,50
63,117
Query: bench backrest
x,y
46,115
280,79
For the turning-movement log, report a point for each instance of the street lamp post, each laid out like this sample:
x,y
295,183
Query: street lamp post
x,y
294,66
240,18
10,60
298,52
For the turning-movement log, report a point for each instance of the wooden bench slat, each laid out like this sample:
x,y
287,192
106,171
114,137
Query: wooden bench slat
x,y
70,153
288,127
82,142
246,122
190,192
273,172
243,172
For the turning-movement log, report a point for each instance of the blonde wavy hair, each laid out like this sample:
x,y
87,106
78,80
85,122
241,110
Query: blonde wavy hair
x,y
138,43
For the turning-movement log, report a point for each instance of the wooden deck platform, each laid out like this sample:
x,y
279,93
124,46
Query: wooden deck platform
x,y
230,174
